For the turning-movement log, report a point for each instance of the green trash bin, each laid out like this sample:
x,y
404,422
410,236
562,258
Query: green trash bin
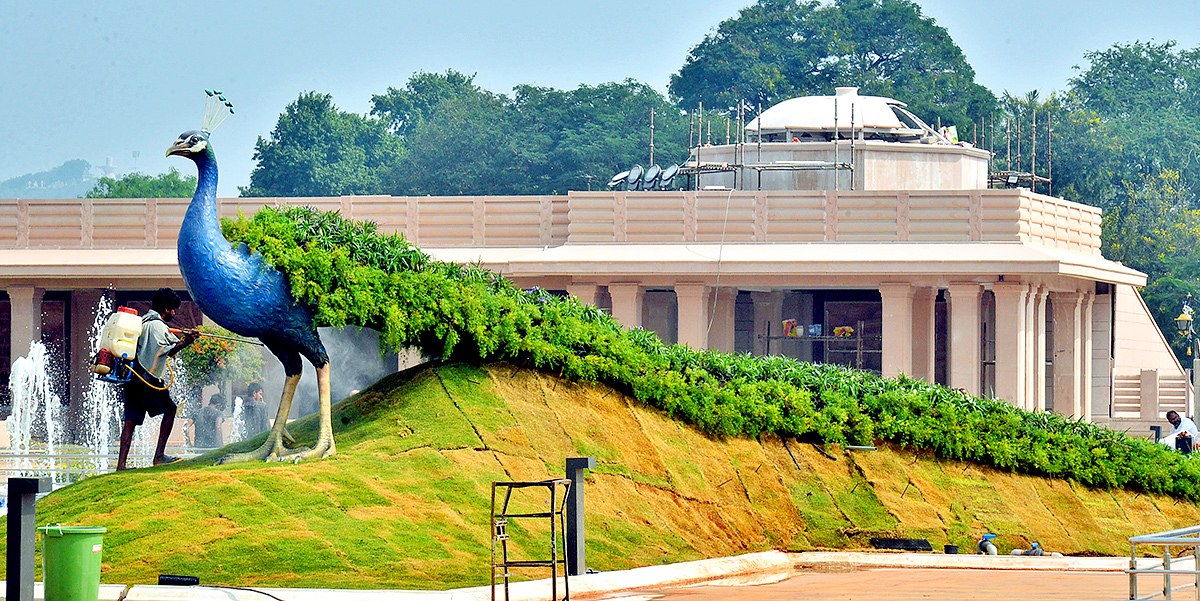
x,y
71,562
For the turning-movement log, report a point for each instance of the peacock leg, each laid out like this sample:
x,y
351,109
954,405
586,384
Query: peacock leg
x,y
324,447
273,447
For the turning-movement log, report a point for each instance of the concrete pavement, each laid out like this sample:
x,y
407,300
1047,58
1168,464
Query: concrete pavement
x,y
766,575
911,584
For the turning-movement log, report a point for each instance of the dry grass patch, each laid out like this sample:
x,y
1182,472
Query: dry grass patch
x,y
1064,503
896,489
1039,523
1180,513
602,425
526,401
767,495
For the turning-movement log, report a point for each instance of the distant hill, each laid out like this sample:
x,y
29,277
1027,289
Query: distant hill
x,y
405,503
72,179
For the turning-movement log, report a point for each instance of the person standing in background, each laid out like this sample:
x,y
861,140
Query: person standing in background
x,y
208,423
255,411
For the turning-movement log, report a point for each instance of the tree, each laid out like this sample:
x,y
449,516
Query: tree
x,y
540,141
403,109
468,145
139,185
318,150
1153,230
594,132
770,52
778,49
1146,98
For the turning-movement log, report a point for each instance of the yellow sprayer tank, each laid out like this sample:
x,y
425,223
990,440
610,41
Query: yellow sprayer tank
x,y
121,331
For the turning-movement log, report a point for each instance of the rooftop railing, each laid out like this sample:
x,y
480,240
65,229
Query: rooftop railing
x,y
601,217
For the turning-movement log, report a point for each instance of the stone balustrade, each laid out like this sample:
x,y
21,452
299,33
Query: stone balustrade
x,y
602,217
834,216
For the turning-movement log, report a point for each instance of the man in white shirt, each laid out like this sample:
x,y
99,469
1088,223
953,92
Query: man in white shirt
x,y
1179,425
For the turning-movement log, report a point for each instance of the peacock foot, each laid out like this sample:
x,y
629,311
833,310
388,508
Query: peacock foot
x,y
324,448
269,451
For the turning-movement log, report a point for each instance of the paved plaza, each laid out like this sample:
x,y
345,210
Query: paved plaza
x,y
766,576
911,584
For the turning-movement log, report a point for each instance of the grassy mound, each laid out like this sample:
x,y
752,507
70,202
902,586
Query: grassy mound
x,y
405,502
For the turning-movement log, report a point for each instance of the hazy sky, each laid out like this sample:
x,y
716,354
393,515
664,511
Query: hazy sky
x,y
96,80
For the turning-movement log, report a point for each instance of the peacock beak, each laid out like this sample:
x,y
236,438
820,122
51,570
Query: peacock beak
x,y
179,147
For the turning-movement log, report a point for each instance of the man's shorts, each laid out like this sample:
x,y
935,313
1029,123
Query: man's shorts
x,y
142,400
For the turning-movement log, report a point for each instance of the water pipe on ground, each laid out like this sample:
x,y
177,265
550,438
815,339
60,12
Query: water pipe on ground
x,y
986,546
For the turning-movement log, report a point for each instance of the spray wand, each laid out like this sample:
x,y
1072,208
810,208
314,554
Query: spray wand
x,y
243,340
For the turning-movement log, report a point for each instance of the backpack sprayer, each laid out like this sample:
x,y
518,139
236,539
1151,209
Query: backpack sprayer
x,y
118,345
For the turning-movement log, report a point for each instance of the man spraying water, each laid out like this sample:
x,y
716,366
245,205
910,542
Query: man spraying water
x,y
146,393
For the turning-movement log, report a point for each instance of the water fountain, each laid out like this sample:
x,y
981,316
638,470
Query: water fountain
x,y
40,441
238,432
36,408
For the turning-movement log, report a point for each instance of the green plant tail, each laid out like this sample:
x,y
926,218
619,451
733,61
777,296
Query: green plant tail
x,y
350,274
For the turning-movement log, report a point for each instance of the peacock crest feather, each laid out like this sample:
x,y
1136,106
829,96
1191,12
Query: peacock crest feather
x,y
216,110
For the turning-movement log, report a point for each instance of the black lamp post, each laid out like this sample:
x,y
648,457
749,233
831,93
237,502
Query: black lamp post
x,y
1187,328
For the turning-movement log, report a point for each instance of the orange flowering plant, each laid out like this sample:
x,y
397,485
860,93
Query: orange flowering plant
x,y
210,360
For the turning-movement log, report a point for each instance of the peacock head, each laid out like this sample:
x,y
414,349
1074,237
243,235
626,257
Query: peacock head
x,y
194,143
190,144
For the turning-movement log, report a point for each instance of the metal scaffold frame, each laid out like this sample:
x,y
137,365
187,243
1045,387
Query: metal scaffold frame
x,y
558,534
694,167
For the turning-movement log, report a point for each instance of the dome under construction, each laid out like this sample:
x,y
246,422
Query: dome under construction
x,y
845,141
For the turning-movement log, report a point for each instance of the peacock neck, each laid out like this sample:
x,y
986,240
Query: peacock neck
x,y
202,212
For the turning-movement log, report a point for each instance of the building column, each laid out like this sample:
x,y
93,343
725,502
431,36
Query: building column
x,y
692,303
720,336
586,293
1039,348
1010,341
964,336
627,303
768,319
80,321
923,343
1085,356
25,304
1027,395
897,328
1067,342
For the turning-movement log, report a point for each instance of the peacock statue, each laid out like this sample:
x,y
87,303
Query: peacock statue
x,y
245,295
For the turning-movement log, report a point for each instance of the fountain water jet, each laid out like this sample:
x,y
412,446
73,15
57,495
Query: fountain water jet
x,y
238,432
31,386
38,423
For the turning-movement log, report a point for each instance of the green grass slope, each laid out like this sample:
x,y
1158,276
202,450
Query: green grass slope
x,y
405,502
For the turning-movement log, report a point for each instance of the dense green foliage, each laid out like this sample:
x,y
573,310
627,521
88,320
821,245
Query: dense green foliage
x,y
443,135
351,275
1152,229
1143,96
139,185
318,150
779,49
